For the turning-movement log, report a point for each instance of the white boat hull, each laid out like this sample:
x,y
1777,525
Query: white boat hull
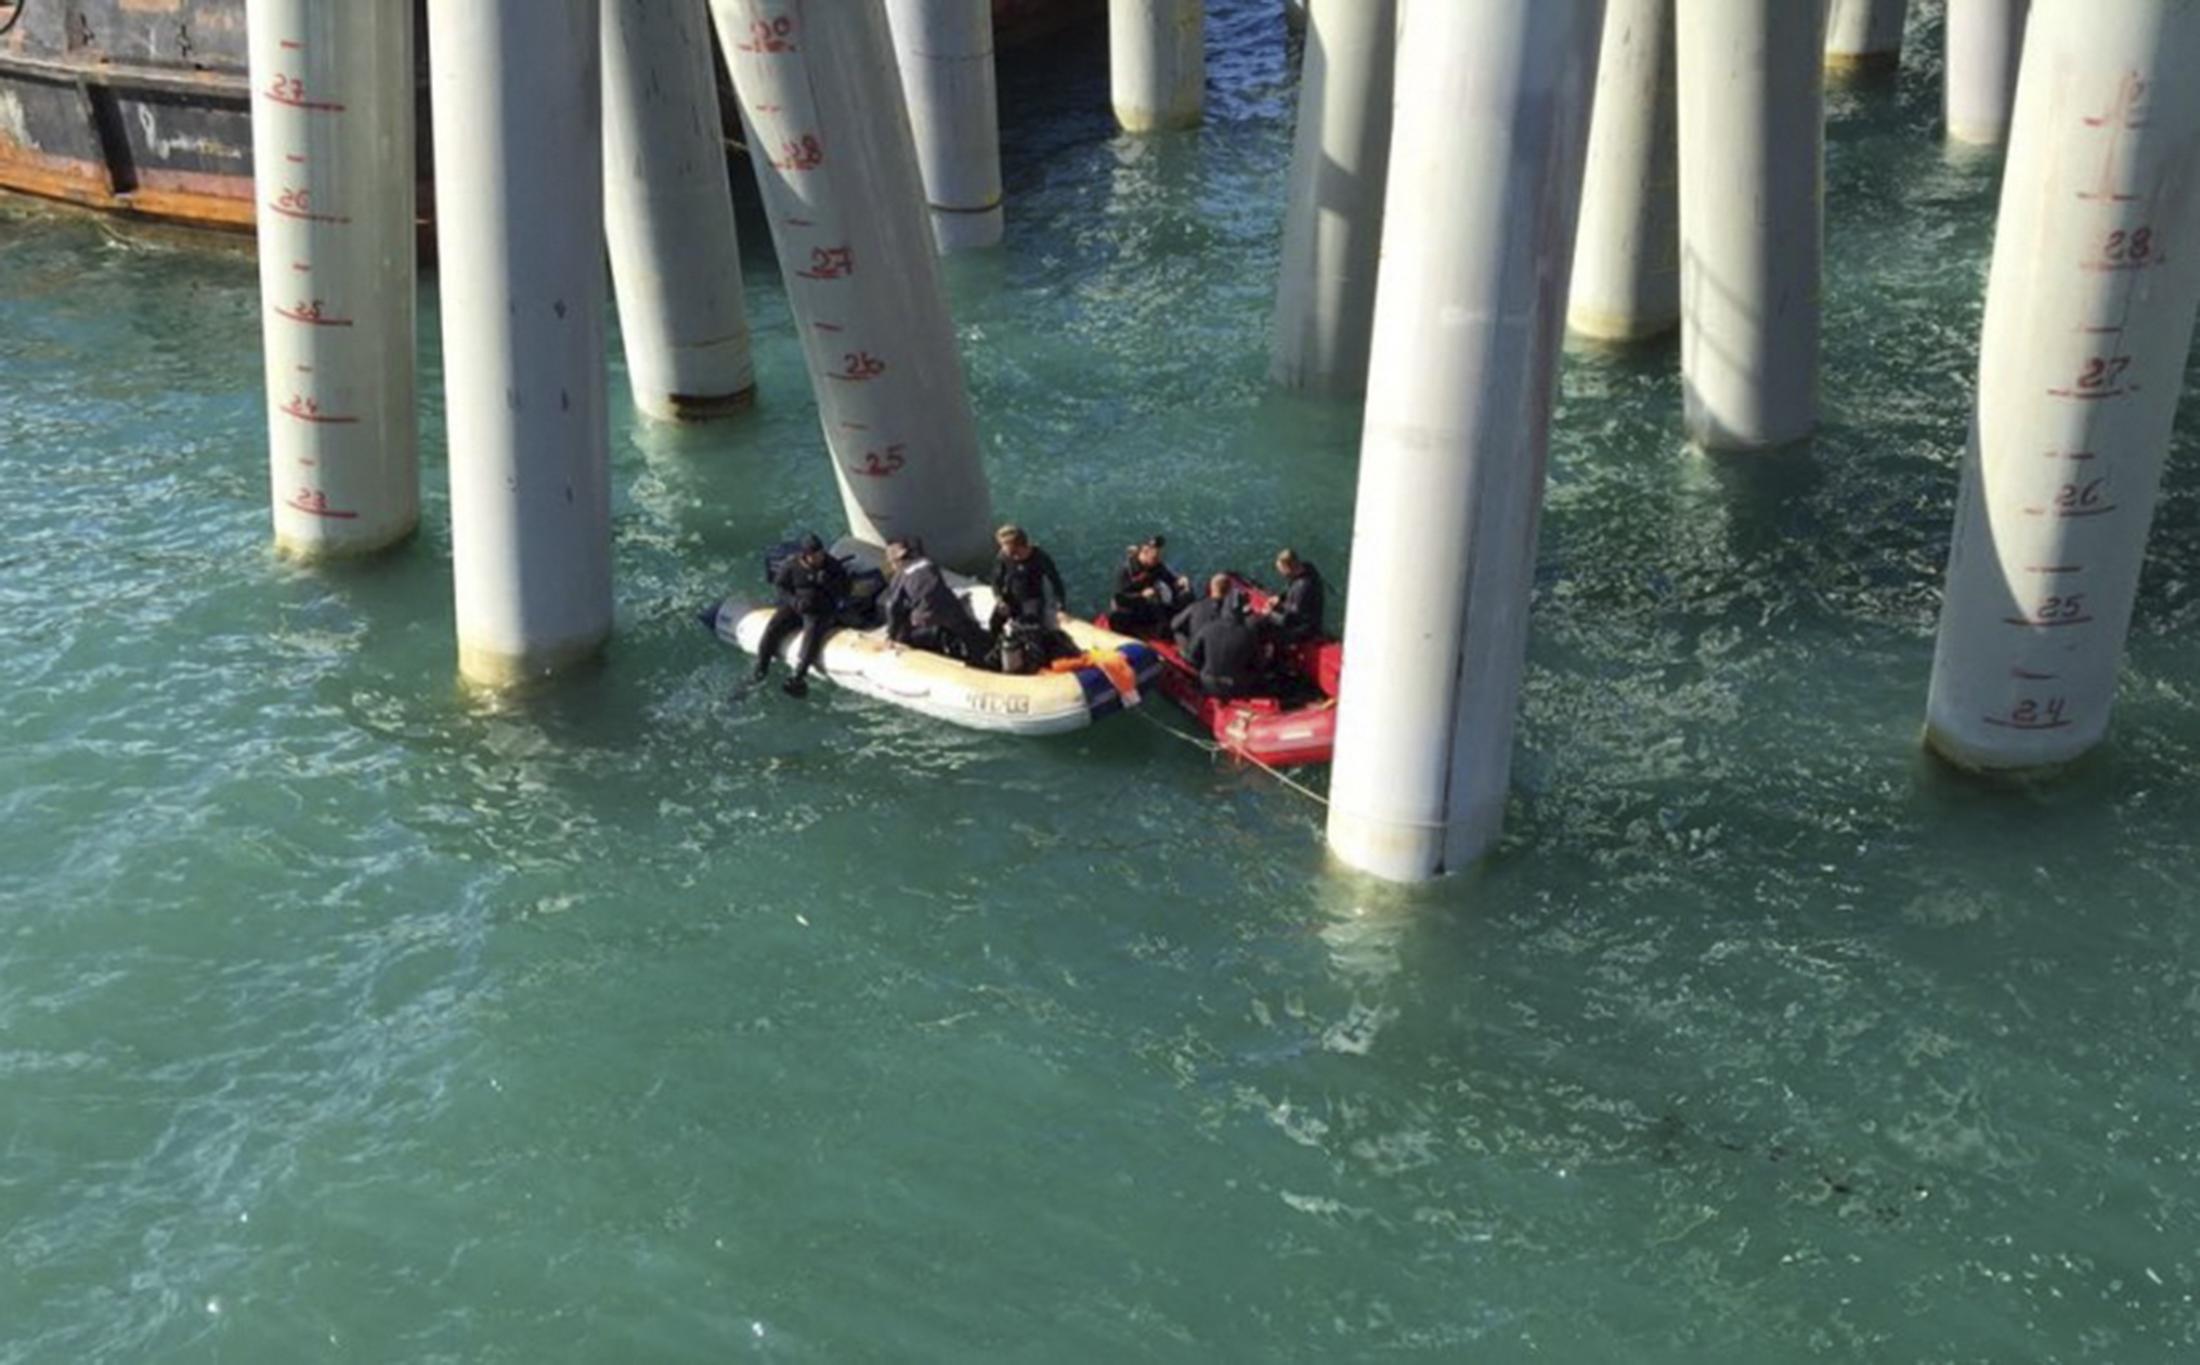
x,y
864,662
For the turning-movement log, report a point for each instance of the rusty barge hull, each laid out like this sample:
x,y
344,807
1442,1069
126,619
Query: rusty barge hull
x,y
133,106
144,107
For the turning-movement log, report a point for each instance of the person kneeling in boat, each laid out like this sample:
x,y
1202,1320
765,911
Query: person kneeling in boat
x,y
923,612
1147,592
1297,614
1229,656
811,585
1221,600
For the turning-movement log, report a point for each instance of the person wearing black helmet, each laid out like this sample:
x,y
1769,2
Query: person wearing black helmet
x,y
1147,592
811,585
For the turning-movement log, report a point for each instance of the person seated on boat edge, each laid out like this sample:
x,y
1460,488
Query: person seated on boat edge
x,y
923,612
811,585
1147,592
1230,657
1221,599
1296,616
1022,577
1027,605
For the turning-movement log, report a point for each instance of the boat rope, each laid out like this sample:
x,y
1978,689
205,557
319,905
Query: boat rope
x,y
1289,781
14,16
1215,750
1172,732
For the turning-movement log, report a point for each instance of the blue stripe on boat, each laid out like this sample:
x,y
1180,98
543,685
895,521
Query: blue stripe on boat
x,y
1101,698
1143,659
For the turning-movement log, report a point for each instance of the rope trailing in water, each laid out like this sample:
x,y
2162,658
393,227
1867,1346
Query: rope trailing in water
x,y
1215,750
1289,781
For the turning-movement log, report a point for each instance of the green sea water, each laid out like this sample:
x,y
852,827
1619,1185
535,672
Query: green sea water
x,y
348,1016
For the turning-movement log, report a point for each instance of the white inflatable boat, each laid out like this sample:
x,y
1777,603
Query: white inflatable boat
x,y
932,684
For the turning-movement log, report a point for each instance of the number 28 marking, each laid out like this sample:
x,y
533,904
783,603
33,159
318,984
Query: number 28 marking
x,y
2133,247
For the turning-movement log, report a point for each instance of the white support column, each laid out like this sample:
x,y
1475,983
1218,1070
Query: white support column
x,y
835,158
519,233
332,147
1157,63
1491,128
1985,47
1752,154
945,48
668,214
2089,321
1864,37
1627,256
1333,213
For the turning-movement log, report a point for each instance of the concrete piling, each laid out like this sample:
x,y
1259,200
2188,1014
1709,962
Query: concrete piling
x,y
668,214
2089,320
520,235
1490,131
1627,255
1157,63
945,48
1333,211
1752,157
1864,37
332,142
837,163
1985,41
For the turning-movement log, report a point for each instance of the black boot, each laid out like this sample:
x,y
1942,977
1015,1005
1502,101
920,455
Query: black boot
x,y
795,686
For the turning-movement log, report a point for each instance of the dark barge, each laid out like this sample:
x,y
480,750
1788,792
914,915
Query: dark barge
x,y
144,107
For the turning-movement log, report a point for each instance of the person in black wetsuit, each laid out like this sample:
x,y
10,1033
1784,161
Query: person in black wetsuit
x,y
1221,600
1022,577
1297,613
923,612
1228,653
1147,592
811,584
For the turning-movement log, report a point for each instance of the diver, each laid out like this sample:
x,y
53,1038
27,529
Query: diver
x,y
923,612
1221,599
1022,577
1296,616
811,584
1027,604
1147,592
1228,653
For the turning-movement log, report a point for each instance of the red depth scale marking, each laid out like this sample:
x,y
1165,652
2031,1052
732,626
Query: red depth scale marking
x,y
311,106
311,318
316,505
306,411
305,217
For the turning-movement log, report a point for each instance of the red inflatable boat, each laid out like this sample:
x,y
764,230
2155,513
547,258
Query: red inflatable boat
x,y
1296,725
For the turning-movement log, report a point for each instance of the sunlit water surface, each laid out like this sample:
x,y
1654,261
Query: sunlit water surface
x,y
345,1016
